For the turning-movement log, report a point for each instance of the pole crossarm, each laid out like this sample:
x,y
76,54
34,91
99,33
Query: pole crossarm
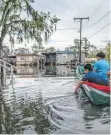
x,y
81,18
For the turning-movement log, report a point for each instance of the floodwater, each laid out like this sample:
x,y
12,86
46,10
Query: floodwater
x,y
47,105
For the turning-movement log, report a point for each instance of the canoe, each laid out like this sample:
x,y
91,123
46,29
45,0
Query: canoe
x,y
96,96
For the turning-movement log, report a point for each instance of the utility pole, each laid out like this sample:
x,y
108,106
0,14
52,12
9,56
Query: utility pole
x,y
81,19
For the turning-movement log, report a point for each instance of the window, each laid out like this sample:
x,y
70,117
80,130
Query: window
x,y
64,56
22,71
22,58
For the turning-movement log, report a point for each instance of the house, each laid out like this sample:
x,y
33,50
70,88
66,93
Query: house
x,y
65,57
26,70
50,71
60,58
82,57
26,59
64,71
29,64
50,58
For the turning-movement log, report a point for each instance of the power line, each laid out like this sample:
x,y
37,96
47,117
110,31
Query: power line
x,y
89,36
98,20
99,30
90,25
68,29
97,9
58,41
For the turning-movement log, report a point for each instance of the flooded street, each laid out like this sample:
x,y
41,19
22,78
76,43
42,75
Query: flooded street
x,y
47,105
48,50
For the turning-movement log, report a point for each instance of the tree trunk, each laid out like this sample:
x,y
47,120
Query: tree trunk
x,y
0,114
0,94
1,68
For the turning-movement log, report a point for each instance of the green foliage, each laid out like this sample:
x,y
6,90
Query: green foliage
x,y
71,48
37,48
20,21
108,47
50,49
86,47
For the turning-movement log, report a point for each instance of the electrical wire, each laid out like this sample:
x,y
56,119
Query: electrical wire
x,y
98,20
99,30
57,41
68,29
97,9
88,26
89,36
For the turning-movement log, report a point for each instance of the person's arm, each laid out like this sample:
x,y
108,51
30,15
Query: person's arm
x,y
85,78
79,84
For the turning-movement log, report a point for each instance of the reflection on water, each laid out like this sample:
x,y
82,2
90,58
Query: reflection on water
x,y
50,70
63,70
48,105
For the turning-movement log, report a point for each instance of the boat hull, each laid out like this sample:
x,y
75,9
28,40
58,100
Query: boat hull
x,y
97,97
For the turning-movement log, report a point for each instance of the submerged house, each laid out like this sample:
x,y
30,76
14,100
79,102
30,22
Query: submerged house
x,y
59,58
64,71
29,64
50,58
54,62
26,59
65,57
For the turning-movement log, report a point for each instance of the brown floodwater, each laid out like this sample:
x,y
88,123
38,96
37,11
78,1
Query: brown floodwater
x,y
47,105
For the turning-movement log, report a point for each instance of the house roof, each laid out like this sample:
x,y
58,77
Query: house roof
x,y
59,52
27,55
47,53
65,52
12,56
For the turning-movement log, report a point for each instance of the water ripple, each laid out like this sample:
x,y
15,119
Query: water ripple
x,y
48,105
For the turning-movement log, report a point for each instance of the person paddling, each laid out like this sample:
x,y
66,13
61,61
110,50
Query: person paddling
x,y
91,76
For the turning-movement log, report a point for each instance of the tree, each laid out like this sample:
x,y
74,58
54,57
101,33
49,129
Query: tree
x,y
76,43
107,50
6,49
86,46
37,48
71,48
22,51
50,49
20,19
92,51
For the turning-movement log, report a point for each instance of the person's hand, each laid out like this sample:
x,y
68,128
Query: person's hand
x,y
75,92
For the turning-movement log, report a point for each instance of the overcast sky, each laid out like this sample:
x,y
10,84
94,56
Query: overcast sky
x,y
66,10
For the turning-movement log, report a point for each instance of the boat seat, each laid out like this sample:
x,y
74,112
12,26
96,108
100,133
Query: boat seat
x,y
103,88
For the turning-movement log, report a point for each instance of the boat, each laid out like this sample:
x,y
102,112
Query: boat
x,y
96,96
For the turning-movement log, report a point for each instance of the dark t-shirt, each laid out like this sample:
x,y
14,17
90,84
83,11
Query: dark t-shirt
x,y
95,78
